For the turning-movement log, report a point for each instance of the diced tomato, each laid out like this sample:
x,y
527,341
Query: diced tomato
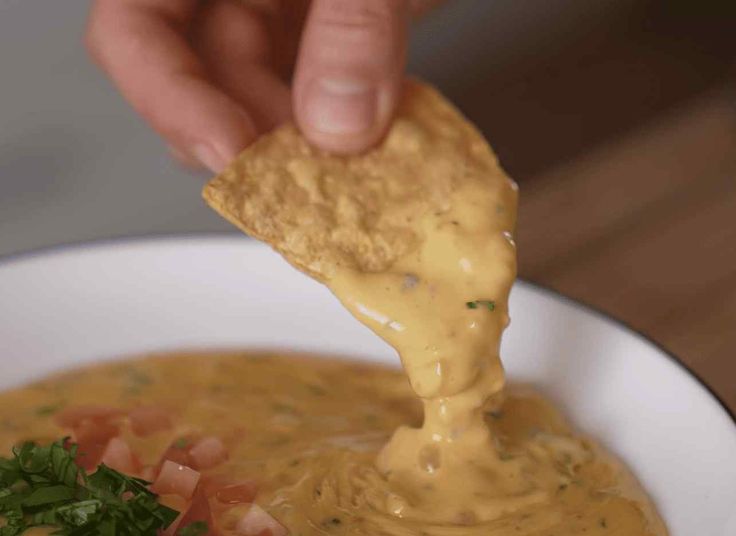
x,y
147,420
176,479
92,439
147,473
120,457
256,521
177,452
89,456
199,510
243,492
211,484
92,429
207,453
92,432
190,511
73,416
179,504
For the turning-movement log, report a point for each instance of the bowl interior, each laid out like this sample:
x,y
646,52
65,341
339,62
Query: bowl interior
x,y
74,305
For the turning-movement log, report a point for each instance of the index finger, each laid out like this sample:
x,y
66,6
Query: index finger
x,y
141,44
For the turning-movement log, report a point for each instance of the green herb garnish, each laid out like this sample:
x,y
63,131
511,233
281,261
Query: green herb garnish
x,y
46,411
138,378
43,486
181,443
198,528
488,304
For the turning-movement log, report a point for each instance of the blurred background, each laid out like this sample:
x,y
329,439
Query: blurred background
x,y
617,118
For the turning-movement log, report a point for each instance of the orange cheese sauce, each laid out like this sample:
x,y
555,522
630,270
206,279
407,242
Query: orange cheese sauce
x,y
308,430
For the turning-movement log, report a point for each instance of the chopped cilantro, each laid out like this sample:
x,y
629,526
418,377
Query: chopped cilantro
x,y
488,304
46,411
138,378
43,486
198,528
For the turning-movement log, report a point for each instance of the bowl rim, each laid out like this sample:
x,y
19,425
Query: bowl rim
x,y
83,245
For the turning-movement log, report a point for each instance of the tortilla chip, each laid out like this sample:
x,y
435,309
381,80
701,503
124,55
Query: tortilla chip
x,y
323,211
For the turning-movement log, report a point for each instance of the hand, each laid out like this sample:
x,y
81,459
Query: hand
x,y
210,76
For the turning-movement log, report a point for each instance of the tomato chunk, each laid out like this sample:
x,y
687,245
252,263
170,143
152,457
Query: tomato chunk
x,y
256,521
176,479
75,415
199,510
147,420
120,457
207,453
211,484
179,504
92,439
148,473
177,452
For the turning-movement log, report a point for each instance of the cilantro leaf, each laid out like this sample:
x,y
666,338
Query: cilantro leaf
x,y
43,486
488,304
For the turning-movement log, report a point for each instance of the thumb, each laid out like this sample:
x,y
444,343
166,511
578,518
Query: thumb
x,y
349,71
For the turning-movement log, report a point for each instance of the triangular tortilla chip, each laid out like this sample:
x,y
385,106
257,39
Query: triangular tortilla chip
x,y
323,211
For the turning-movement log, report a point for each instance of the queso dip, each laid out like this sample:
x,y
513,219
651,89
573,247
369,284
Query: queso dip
x,y
306,431
415,238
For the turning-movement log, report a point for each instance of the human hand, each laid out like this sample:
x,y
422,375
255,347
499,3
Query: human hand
x,y
210,76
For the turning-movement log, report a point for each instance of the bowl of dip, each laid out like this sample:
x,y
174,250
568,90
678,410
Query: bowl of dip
x,y
71,306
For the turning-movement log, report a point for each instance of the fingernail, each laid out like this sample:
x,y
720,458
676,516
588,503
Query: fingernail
x,y
340,105
209,158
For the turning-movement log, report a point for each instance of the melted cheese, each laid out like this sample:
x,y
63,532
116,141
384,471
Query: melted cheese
x,y
450,353
309,431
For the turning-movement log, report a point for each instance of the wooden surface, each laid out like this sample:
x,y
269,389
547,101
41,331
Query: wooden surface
x,y
601,80
644,228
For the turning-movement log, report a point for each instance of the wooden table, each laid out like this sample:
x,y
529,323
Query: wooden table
x,y
644,228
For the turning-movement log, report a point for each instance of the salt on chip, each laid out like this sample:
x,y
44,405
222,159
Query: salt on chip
x,y
323,211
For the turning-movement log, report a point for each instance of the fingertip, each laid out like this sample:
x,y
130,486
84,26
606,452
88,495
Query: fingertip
x,y
210,157
348,72
142,47
200,121
215,151
183,158
200,156
344,115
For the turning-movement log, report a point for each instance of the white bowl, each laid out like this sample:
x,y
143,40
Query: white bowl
x,y
72,305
